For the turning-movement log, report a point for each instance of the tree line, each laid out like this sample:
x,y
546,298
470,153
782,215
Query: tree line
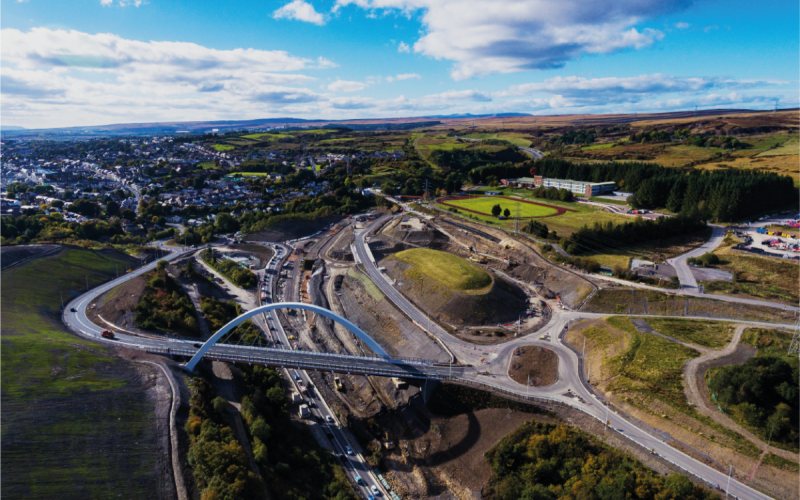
x,y
720,195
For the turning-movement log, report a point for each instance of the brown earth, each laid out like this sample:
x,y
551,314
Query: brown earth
x,y
539,365
118,305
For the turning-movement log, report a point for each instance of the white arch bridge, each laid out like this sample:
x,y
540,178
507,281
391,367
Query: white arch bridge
x,y
382,365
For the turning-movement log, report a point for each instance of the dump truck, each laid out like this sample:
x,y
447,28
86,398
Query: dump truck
x,y
337,382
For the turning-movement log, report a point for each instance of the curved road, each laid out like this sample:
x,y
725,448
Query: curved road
x,y
569,389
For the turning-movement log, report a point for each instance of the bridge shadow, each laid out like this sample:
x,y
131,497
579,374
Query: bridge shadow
x,y
455,450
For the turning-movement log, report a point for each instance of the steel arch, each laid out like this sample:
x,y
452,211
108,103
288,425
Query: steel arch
x,y
358,332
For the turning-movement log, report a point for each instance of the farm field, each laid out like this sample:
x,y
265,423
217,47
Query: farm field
x,y
515,139
483,206
789,147
77,422
223,147
266,136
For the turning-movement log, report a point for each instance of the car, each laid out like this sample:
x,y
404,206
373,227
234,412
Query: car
x,y
72,309
296,376
197,346
329,419
375,490
370,497
348,450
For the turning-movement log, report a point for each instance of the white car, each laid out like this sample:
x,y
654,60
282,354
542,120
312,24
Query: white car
x,y
375,490
329,419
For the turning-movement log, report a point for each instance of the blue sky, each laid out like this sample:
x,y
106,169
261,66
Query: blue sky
x,y
90,62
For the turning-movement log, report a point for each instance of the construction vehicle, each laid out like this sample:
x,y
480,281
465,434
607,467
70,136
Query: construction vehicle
x,y
337,382
388,442
107,335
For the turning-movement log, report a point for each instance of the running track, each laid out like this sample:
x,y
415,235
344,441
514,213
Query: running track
x,y
559,210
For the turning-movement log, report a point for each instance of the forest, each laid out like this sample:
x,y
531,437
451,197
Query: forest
x,y
554,462
762,393
164,306
602,237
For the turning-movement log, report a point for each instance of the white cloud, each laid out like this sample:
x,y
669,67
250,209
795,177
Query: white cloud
x,y
300,11
57,77
505,36
644,84
463,95
403,76
403,47
346,86
682,25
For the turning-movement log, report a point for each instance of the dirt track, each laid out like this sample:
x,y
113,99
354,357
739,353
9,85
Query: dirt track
x,y
697,393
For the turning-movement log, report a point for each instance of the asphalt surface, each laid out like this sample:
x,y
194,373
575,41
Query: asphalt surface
x,y
478,364
688,281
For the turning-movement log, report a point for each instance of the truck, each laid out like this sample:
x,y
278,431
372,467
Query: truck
x,y
304,412
107,335
338,383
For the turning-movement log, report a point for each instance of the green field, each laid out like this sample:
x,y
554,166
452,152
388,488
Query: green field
x,y
76,421
208,165
790,147
514,139
447,269
484,205
599,146
249,174
223,147
258,137
713,334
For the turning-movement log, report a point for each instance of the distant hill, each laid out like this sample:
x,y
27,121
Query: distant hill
x,y
11,127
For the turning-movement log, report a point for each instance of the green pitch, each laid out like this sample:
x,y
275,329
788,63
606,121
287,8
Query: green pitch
x,y
484,206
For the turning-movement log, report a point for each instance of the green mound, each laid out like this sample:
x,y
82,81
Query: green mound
x,y
447,269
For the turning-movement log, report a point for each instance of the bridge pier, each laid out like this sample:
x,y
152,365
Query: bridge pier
x,y
427,389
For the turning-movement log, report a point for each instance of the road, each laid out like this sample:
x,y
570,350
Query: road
x,y
537,155
570,389
685,275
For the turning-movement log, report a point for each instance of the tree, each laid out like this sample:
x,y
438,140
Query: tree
x,y
112,207
496,210
507,213
128,214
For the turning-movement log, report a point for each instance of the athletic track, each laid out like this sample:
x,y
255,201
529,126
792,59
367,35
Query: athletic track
x,y
559,210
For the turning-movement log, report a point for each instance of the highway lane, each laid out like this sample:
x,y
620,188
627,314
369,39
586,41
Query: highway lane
x,y
354,464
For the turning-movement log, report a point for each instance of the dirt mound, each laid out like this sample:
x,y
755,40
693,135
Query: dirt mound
x,y
501,302
118,305
293,229
539,365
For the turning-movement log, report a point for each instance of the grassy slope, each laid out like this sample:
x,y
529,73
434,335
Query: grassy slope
x,y
713,334
645,371
76,423
756,276
451,271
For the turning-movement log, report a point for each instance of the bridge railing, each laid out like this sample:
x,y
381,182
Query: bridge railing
x,y
306,360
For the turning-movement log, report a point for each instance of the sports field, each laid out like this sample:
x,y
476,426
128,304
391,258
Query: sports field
x,y
483,206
